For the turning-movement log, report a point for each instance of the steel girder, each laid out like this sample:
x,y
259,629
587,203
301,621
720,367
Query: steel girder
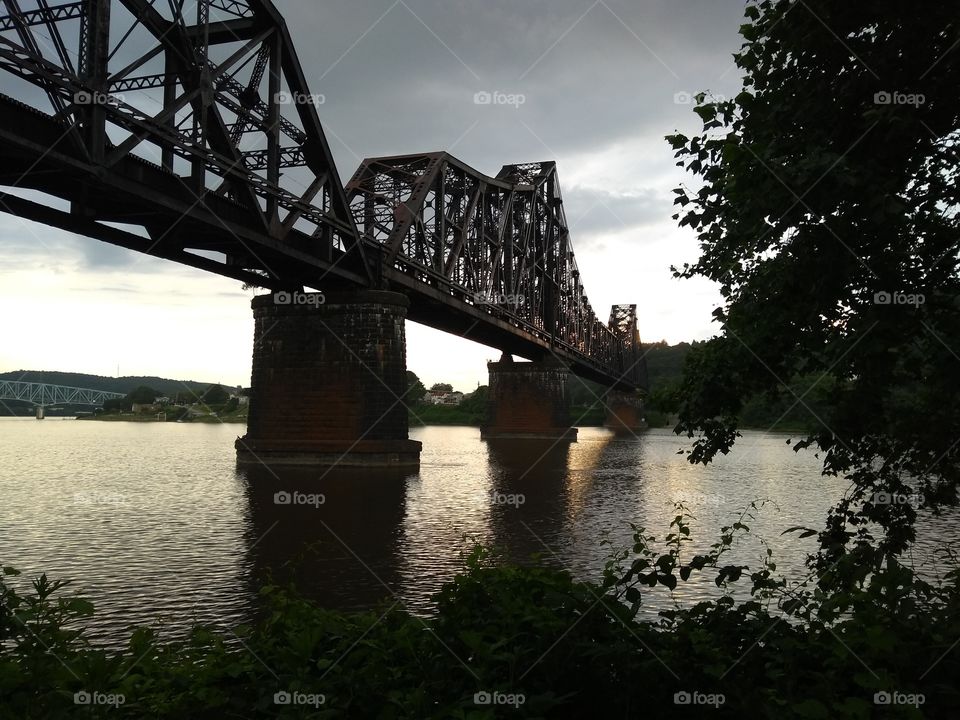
x,y
186,130
191,121
44,394
500,245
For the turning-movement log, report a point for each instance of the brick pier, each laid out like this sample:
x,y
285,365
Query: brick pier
x,y
528,400
625,412
328,372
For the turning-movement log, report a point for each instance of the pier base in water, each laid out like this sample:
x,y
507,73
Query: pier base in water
x,y
625,412
528,400
328,374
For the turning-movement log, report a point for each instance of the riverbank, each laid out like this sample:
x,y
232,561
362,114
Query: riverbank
x,y
170,416
610,661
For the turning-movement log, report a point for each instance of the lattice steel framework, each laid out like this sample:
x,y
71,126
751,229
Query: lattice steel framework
x,y
498,243
191,121
186,130
43,394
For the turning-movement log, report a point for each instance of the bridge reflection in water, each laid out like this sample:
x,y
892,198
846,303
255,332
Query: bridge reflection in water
x,y
335,535
367,540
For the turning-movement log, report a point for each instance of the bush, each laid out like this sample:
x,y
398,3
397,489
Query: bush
x,y
548,645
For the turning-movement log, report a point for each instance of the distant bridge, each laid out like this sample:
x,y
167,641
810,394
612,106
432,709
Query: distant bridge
x,y
44,394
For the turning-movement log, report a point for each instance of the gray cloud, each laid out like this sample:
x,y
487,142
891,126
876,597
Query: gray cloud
x,y
588,79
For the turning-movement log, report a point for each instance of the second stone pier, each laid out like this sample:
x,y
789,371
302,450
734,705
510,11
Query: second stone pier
x,y
528,400
625,412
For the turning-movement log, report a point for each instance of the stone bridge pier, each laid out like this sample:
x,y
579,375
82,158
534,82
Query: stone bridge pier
x,y
328,374
625,412
528,400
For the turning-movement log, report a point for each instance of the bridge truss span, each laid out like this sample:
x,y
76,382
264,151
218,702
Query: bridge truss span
x,y
186,130
498,246
189,124
44,394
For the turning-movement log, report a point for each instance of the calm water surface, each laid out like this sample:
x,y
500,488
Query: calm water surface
x,y
157,525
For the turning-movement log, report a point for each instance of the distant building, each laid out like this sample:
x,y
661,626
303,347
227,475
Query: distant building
x,y
442,397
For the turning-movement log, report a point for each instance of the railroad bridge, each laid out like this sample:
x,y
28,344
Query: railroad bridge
x,y
187,131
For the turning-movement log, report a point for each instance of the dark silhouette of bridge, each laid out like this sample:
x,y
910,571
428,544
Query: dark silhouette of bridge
x,y
193,136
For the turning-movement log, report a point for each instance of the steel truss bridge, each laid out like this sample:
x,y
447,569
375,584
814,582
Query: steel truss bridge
x,y
186,130
45,395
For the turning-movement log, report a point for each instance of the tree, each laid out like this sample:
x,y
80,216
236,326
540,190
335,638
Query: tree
x,y
116,404
476,403
215,395
142,396
415,390
441,387
827,213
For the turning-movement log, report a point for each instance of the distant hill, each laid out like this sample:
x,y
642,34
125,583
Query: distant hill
x,y
665,363
106,384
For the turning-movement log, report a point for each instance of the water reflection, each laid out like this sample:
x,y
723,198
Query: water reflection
x,y
334,534
527,491
157,521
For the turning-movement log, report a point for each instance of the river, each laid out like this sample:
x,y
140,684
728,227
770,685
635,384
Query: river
x,y
157,525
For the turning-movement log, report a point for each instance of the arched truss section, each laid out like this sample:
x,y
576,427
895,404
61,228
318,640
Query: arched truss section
x,y
190,121
500,244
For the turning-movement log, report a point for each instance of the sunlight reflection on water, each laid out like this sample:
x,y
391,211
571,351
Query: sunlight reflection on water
x,y
156,522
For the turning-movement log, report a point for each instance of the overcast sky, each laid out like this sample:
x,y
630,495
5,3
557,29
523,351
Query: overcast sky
x,y
595,85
